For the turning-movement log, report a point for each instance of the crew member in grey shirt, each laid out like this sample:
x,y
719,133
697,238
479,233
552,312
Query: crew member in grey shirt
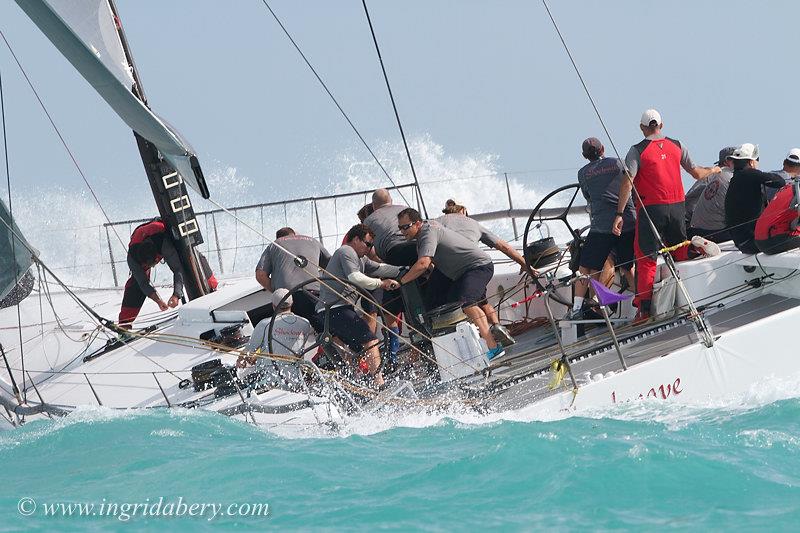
x,y
291,335
289,261
790,170
349,263
600,181
708,218
393,249
455,218
468,267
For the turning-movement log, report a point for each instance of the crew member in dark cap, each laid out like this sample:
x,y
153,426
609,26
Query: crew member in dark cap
x,y
600,182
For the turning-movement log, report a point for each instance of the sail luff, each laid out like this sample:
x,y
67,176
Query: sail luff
x,y
112,89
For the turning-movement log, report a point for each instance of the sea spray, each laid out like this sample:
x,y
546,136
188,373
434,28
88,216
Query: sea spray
x,y
73,241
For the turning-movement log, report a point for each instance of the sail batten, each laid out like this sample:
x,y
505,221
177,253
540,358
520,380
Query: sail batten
x,y
85,34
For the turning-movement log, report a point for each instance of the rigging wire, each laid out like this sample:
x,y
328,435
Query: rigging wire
x,y
336,102
698,321
61,137
17,277
394,106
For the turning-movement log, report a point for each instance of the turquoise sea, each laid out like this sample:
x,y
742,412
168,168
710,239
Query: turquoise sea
x,y
641,466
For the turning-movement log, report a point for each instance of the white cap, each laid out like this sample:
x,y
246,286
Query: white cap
x,y
794,156
745,151
278,295
649,116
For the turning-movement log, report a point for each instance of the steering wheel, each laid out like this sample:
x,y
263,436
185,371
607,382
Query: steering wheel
x,y
563,200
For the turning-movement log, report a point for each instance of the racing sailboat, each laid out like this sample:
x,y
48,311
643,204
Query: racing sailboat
x,y
707,341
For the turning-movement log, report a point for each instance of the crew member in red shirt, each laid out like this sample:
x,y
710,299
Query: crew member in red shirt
x,y
149,245
655,166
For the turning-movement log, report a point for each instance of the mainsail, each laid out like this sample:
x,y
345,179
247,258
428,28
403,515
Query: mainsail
x,y
85,33
16,257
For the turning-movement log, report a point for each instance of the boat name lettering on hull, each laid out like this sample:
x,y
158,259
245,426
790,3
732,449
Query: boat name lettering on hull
x,y
661,392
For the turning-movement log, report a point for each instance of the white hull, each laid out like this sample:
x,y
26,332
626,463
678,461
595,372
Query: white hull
x,y
133,376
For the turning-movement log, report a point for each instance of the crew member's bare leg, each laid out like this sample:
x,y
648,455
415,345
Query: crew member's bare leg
x,y
478,317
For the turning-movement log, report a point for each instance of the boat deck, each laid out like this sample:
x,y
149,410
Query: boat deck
x,y
528,361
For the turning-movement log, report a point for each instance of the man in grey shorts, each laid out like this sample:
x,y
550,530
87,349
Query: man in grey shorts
x,y
278,269
468,267
455,218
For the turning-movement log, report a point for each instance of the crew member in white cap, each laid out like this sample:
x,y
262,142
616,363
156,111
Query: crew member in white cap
x,y
290,333
745,199
790,170
655,167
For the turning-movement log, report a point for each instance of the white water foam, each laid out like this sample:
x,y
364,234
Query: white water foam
x,y
66,225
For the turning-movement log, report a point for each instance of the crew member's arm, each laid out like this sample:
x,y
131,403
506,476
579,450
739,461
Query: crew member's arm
x,y
416,270
358,278
263,279
141,278
629,171
512,254
263,270
174,263
698,173
701,173
624,193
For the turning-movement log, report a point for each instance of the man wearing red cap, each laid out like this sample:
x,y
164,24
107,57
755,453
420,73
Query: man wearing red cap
x,y
655,166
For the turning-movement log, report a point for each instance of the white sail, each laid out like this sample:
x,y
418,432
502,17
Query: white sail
x,y
85,33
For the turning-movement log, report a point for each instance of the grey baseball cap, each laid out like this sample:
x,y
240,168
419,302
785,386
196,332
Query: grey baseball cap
x,y
725,153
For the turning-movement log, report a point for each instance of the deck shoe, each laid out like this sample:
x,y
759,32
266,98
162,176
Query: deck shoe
x,y
709,248
575,314
497,351
501,335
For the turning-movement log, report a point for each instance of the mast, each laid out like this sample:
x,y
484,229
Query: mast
x,y
169,190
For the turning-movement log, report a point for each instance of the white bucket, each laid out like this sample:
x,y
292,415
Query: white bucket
x,y
460,353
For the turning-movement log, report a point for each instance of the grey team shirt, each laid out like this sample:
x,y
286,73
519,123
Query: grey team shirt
x,y
469,228
600,182
709,211
281,266
632,160
344,262
290,335
171,258
453,254
383,223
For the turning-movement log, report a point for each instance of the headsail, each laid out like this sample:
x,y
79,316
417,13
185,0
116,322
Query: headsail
x,y
15,260
85,33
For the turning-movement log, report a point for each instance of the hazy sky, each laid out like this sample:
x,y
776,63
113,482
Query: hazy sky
x,y
476,76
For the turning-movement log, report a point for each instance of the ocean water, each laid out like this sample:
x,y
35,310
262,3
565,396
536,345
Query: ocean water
x,y
642,466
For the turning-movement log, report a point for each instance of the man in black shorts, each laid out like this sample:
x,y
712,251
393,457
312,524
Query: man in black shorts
x,y
468,267
600,181
349,263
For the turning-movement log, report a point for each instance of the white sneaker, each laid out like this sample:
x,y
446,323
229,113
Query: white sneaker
x,y
709,248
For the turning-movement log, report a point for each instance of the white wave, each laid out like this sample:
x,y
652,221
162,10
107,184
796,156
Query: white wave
x,y
66,225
